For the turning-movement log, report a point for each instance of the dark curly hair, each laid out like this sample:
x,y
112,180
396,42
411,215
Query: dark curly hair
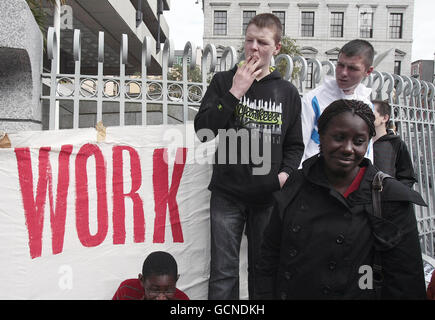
x,y
355,107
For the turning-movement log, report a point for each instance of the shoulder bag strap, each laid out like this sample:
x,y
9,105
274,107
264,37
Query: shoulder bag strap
x,y
377,186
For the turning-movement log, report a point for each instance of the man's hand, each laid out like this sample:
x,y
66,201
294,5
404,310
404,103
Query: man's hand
x,y
244,77
282,177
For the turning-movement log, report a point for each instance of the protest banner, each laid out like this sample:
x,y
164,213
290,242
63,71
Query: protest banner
x,y
79,216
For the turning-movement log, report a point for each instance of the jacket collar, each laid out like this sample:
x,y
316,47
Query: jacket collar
x,y
313,170
387,137
361,91
393,190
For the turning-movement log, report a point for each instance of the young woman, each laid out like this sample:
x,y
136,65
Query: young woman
x,y
320,243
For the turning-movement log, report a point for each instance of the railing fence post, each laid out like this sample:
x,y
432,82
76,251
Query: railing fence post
x,y
52,52
190,46
77,80
123,56
100,82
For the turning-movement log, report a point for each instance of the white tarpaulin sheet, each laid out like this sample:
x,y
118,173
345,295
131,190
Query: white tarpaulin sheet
x,y
78,216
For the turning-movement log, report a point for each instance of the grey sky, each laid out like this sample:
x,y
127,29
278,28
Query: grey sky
x,y
423,46
186,20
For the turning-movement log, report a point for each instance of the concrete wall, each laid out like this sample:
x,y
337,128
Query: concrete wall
x,y
21,48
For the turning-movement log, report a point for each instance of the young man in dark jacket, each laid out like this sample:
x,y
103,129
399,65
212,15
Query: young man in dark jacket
x,y
390,152
252,109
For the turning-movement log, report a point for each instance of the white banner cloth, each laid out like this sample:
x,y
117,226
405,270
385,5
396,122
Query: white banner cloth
x,y
79,216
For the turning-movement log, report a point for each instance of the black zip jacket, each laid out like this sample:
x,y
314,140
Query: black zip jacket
x,y
319,244
391,156
270,105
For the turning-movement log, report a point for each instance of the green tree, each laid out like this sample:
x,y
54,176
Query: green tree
x,y
289,47
37,9
193,75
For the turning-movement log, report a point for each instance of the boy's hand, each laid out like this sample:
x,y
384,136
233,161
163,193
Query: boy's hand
x,y
282,177
244,77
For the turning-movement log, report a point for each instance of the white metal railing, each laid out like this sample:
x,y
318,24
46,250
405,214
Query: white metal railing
x,y
412,100
80,88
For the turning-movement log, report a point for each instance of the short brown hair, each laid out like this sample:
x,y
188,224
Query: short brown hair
x,y
360,48
383,108
268,20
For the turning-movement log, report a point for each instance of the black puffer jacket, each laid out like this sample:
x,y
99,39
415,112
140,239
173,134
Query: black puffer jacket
x,y
391,156
317,240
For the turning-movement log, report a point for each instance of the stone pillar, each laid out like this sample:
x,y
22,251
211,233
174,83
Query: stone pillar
x,y
21,49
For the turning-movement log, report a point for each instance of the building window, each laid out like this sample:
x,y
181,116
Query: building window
x,y
397,67
337,19
220,23
307,26
179,60
218,64
281,17
247,16
414,70
334,61
309,79
396,22
366,24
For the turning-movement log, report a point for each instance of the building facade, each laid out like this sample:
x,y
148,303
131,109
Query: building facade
x,y
178,57
423,70
136,18
321,27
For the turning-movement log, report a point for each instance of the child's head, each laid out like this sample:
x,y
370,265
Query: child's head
x,y
159,276
382,113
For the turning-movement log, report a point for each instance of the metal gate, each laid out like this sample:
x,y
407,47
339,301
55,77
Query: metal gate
x,y
412,101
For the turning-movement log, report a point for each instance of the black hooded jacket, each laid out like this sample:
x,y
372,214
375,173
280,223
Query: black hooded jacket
x,y
391,156
270,111
319,244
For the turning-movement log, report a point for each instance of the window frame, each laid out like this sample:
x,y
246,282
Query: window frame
x,y
397,65
392,29
215,23
281,19
332,30
246,22
305,27
370,30
309,80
